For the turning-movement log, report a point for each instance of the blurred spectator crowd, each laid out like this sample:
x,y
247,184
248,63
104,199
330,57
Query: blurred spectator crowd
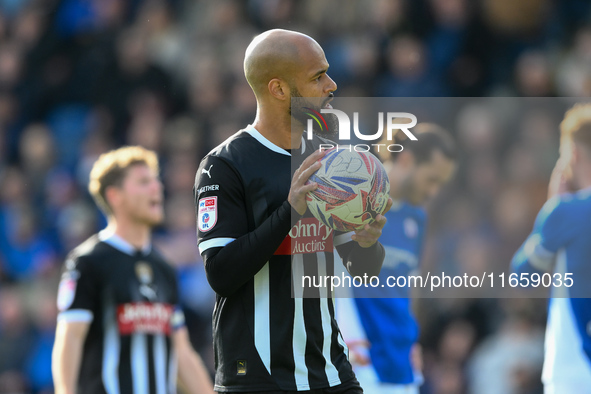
x,y
79,77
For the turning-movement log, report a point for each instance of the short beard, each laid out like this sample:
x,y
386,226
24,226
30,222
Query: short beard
x,y
300,107
149,221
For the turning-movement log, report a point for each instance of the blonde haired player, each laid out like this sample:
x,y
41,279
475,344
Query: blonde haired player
x,y
120,329
559,248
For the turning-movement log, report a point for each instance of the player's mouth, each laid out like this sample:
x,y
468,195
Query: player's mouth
x,y
327,103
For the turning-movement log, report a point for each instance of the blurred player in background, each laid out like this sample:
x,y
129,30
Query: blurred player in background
x,y
248,199
559,244
120,328
381,331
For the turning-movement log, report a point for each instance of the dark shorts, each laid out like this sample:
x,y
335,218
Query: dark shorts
x,y
350,387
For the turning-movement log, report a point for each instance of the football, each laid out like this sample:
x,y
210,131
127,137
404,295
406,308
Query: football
x,y
353,188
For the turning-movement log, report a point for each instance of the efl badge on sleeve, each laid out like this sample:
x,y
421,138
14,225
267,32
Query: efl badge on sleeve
x,y
67,290
207,214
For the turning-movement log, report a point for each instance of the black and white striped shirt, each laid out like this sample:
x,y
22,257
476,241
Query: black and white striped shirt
x,y
130,300
268,334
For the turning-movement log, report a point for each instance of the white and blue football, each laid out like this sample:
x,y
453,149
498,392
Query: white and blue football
x,y
353,189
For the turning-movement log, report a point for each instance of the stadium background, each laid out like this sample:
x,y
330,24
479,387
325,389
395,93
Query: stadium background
x,y
78,77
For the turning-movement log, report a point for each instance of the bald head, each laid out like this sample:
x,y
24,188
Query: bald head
x,y
276,54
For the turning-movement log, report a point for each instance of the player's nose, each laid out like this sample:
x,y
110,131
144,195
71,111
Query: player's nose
x,y
158,186
331,86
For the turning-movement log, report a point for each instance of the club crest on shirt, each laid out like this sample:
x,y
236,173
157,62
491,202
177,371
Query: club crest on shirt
x,y
144,273
207,213
67,290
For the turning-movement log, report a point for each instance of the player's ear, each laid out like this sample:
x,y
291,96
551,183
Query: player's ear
x,y
112,196
575,154
278,89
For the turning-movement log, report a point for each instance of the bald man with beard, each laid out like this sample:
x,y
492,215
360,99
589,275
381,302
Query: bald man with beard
x,y
271,334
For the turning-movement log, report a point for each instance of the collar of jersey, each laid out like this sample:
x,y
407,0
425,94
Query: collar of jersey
x,y
120,244
268,144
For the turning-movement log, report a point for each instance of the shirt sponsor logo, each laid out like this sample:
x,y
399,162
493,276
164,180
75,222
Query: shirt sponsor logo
x,y
309,235
144,317
207,215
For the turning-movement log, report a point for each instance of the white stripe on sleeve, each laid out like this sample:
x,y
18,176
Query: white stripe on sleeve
x,y
343,238
538,256
214,243
76,315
